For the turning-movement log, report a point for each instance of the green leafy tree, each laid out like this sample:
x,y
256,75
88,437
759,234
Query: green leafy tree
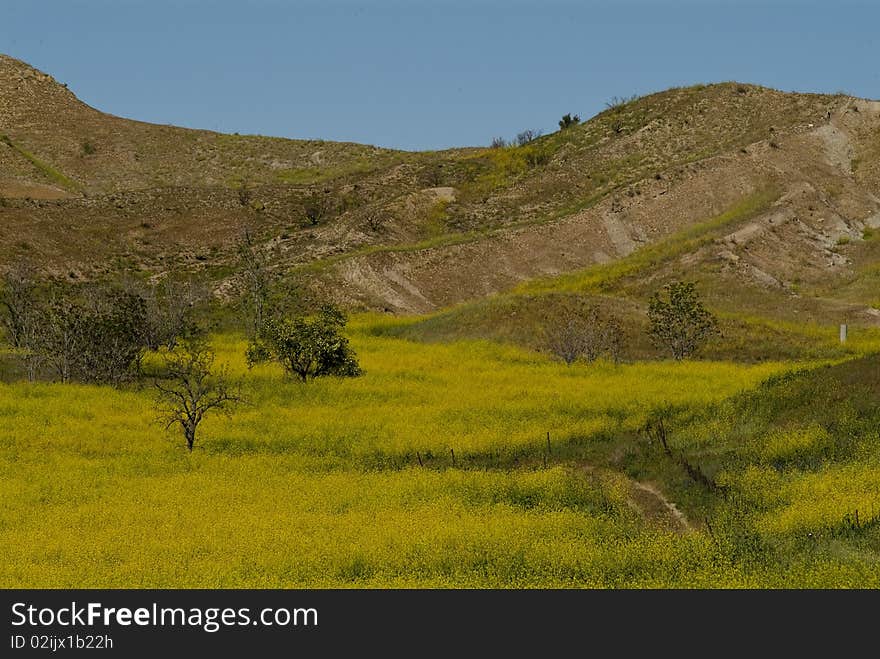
x,y
307,347
680,324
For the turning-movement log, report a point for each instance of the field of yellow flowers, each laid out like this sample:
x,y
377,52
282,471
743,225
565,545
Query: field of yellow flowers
x,y
445,465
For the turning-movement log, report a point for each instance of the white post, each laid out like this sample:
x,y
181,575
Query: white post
x,y
843,333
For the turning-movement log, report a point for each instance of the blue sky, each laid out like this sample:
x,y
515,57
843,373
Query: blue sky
x,y
421,74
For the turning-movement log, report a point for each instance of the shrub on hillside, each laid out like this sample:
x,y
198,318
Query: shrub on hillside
x,y
527,136
569,120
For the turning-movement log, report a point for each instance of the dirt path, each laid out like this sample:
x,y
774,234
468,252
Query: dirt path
x,y
655,506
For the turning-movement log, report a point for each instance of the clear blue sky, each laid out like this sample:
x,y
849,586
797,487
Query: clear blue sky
x,y
420,74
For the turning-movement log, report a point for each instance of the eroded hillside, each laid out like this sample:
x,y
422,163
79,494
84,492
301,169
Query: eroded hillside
x,y
768,198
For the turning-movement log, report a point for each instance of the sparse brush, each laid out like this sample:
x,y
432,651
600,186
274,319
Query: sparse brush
x,y
568,120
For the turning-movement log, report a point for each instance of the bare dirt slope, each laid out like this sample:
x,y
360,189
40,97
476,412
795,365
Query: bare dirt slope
x,y
825,197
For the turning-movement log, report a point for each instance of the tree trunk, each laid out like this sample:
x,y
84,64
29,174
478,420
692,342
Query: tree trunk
x,y
189,431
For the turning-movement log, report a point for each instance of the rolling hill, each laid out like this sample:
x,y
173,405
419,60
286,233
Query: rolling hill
x,y
464,457
768,199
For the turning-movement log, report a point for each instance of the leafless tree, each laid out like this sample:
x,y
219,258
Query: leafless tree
x,y
612,339
257,279
375,220
94,334
22,314
317,206
580,331
527,136
60,340
85,332
565,339
171,305
191,389
18,303
617,103
245,194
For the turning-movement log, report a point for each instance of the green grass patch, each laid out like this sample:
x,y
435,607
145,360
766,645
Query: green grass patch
x,y
43,167
311,175
602,278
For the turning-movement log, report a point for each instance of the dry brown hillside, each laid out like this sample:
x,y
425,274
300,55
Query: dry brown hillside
x,y
779,192
681,158
96,153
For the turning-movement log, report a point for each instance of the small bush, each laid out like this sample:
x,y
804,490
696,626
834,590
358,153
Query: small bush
x,y
527,136
535,155
617,103
569,120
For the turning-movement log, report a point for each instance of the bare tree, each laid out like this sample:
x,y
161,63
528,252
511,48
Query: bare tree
x,y
171,305
60,339
527,136
18,302
565,339
317,206
110,322
191,389
617,103
375,220
22,315
612,339
92,335
258,282
245,194
579,331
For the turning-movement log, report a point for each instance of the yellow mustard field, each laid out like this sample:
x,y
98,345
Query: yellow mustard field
x,y
352,482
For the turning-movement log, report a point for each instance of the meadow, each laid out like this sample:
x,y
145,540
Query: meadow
x,y
463,464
